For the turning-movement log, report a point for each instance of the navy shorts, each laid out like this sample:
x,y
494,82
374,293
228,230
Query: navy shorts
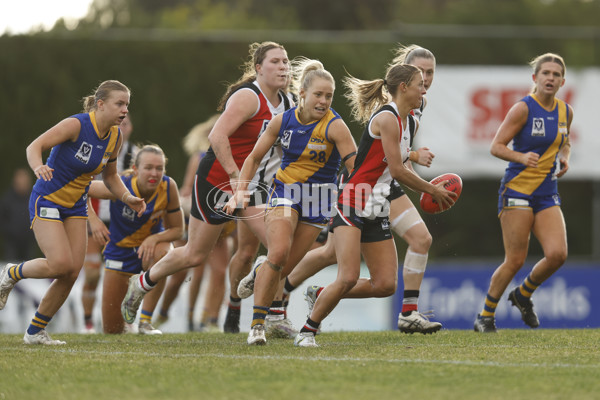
x,y
510,199
40,208
122,259
312,202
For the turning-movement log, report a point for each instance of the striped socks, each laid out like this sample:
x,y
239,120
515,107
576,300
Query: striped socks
x,y
310,326
409,302
526,289
145,283
489,307
16,272
259,315
38,323
146,316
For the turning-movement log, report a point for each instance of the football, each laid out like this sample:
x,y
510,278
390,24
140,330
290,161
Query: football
x,y
454,184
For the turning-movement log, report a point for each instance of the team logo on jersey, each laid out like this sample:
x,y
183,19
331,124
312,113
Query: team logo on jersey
x,y
538,129
84,153
286,138
128,213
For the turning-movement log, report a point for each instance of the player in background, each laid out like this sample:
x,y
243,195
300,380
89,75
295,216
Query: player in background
x,y
135,243
313,136
538,127
83,145
195,144
98,231
247,107
361,224
405,220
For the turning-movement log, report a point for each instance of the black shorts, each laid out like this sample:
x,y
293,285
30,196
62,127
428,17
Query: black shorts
x,y
208,202
372,230
396,191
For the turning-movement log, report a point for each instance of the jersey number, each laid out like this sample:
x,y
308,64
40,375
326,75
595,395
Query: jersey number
x,y
318,156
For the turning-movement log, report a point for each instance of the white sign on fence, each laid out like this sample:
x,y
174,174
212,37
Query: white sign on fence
x,y
466,105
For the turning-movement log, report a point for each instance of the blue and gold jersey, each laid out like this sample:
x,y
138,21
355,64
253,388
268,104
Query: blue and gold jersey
x,y
129,230
76,163
308,154
544,133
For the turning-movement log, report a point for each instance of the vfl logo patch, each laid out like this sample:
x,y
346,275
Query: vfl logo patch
x,y
385,224
537,128
114,264
128,213
556,199
286,138
511,202
46,212
84,153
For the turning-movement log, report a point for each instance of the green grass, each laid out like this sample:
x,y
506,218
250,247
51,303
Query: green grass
x,y
514,364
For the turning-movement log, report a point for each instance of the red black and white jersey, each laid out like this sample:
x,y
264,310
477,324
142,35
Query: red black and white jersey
x,y
242,141
369,183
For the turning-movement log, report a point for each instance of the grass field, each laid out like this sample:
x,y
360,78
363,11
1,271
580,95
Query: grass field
x,y
513,364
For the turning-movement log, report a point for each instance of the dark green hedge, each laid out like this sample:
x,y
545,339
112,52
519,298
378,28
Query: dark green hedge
x,y
177,84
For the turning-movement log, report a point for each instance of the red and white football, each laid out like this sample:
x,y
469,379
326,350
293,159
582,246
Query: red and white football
x,y
454,184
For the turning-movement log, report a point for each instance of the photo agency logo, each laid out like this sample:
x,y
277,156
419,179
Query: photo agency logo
x,y
308,200
256,194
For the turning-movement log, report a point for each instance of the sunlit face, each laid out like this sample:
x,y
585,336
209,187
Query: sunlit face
x,y
549,78
150,171
427,67
317,98
115,107
126,127
275,69
416,90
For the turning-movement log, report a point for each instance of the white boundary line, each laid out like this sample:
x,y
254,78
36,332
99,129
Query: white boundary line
x,y
46,349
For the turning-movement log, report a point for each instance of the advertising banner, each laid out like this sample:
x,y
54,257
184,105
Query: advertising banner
x,y
466,105
569,299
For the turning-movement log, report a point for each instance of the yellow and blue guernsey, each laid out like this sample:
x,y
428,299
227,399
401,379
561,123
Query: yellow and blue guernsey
x,y
128,231
545,133
306,179
308,154
76,163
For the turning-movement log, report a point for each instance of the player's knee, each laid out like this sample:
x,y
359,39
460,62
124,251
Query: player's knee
x,y
92,276
245,254
556,257
347,281
63,268
162,249
422,243
192,257
278,256
384,288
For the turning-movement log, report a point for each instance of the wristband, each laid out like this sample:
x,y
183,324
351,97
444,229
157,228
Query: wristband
x,y
124,196
348,156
